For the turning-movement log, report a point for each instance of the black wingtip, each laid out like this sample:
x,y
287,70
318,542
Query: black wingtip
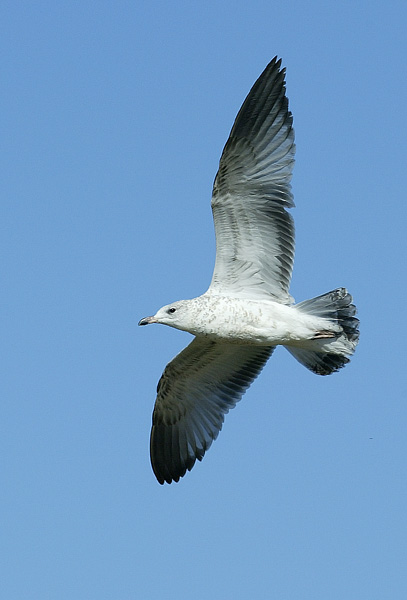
x,y
167,465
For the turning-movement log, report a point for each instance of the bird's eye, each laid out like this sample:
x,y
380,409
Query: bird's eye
x,y
171,310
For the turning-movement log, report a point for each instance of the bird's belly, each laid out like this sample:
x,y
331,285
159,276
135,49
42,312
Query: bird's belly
x,y
265,324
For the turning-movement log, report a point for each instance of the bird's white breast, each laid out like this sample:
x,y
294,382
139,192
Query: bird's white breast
x,y
248,321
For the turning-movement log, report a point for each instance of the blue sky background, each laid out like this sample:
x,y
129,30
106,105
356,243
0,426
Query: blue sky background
x,y
113,119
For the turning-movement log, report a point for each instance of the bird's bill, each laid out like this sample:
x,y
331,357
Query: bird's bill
x,y
147,321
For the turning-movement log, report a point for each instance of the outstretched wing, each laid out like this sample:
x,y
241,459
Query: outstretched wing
x,y
198,387
254,232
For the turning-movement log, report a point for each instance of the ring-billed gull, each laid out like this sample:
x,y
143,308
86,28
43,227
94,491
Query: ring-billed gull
x,y
247,310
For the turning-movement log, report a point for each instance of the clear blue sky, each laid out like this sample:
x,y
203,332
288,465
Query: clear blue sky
x,y
113,118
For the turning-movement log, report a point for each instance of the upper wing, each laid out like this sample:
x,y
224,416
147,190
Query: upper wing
x,y
198,387
254,232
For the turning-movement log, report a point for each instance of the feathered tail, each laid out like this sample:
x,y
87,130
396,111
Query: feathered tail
x,y
331,354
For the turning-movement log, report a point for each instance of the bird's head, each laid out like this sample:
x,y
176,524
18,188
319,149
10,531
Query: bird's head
x,y
175,315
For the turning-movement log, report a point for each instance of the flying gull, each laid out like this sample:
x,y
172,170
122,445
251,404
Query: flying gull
x,y
247,310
